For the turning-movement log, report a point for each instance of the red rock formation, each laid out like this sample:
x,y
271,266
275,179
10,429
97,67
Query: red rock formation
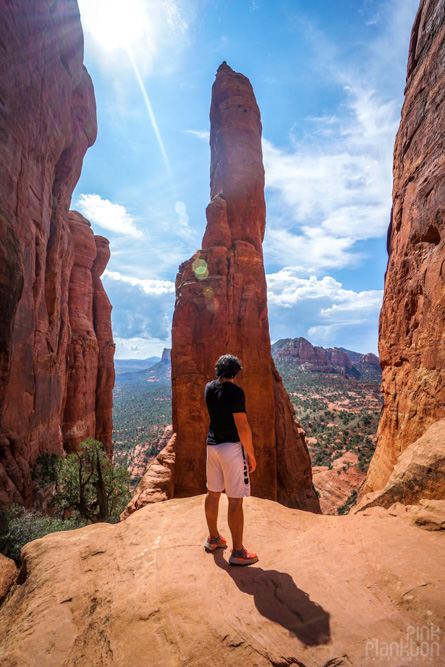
x,y
369,358
158,482
221,308
336,485
79,417
8,575
166,355
419,473
47,123
140,458
313,358
412,331
104,335
90,353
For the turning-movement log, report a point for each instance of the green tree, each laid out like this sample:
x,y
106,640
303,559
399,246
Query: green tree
x,y
88,483
85,482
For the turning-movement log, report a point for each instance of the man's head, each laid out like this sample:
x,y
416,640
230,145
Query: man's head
x,y
228,367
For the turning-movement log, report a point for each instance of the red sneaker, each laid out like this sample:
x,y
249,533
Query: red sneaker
x,y
215,542
244,559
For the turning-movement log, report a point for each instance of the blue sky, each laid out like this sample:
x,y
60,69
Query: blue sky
x,y
328,76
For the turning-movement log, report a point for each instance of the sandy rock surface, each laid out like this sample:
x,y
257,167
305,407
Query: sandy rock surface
x,y
326,591
8,575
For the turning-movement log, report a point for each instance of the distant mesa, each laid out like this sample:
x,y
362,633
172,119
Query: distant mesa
x,y
299,352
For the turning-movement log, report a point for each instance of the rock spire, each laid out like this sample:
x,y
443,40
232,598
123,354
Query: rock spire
x,y
221,307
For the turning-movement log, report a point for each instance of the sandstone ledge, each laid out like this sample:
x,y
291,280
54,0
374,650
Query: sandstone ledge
x,y
144,592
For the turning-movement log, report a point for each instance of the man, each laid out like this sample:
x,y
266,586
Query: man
x,y
229,440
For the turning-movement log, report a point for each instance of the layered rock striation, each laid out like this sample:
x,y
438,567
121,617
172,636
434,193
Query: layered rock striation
x,y
221,308
412,320
53,315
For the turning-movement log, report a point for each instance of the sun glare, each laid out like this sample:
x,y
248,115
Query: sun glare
x,y
114,24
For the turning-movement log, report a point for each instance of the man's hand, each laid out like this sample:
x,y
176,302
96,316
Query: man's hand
x,y
252,462
245,435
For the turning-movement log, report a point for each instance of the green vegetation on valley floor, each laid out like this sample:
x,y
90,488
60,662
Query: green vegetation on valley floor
x,y
338,414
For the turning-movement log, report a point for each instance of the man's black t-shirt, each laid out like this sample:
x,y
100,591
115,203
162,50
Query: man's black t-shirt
x,y
223,399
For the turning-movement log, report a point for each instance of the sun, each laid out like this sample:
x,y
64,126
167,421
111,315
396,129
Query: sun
x,y
114,24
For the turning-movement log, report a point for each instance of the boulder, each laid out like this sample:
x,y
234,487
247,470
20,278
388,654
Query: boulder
x,y
419,473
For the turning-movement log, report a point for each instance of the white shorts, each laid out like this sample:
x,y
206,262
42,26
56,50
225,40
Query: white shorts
x,y
227,468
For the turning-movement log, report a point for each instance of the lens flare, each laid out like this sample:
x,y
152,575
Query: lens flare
x,y
200,269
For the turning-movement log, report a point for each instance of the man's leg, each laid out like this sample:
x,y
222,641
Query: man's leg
x,y
211,510
235,518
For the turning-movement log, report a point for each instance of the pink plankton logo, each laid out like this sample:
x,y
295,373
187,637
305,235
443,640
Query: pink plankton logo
x,y
419,643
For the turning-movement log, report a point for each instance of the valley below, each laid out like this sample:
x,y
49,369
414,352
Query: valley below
x,y
338,407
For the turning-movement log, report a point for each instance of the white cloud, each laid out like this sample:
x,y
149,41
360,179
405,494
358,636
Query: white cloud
x,y
148,285
182,227
139,348
104,213
204,135
326,195
142,307
322,310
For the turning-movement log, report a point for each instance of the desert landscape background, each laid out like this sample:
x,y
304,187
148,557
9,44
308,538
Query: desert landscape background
x,y
348,501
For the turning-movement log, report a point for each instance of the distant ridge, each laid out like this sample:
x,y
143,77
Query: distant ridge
x,y
300,354
134,365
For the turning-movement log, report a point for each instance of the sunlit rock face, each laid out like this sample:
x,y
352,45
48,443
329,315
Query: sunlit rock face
x,y
412,320
221,307
48,121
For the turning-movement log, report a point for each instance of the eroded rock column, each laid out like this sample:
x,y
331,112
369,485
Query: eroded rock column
x,y
221,307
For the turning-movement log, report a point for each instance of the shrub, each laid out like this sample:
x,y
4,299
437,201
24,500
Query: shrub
x,y
24,526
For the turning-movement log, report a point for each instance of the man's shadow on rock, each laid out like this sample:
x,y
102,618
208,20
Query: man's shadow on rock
x,y
277,598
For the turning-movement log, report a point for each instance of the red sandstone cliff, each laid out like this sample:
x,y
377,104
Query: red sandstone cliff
x,y
412,331
221,307
48,121
312,357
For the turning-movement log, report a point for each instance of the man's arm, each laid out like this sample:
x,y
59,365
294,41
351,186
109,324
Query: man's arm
x,y
245,435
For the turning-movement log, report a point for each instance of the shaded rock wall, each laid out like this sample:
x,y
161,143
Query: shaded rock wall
x,y
47,122
412,320
221,307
